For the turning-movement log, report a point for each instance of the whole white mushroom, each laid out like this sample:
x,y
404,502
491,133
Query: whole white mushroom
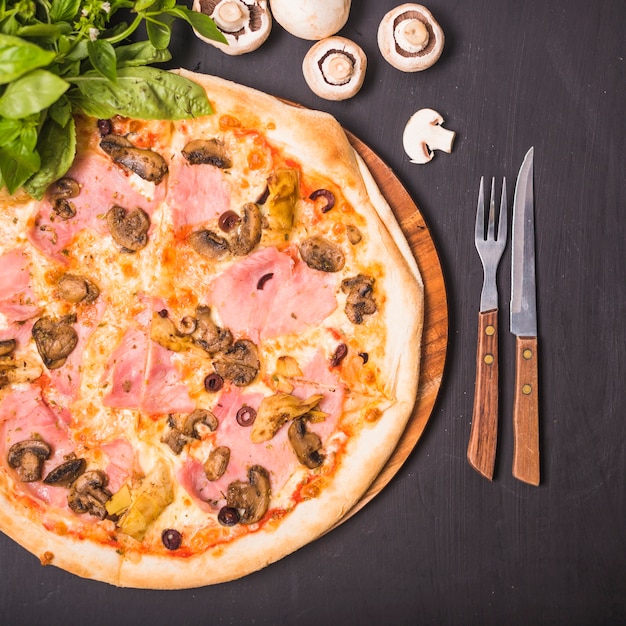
x,y
311,19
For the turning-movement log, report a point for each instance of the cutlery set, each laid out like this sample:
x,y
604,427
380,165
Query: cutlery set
x,y
490,244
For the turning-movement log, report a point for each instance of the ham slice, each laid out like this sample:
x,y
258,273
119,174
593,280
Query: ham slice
x,y
294,298
103,185
197,194
17,300
23,415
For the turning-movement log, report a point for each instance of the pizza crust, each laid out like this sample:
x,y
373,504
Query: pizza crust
x,y
318,141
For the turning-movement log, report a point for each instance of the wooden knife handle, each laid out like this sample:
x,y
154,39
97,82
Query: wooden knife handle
x,y
481,451
526,411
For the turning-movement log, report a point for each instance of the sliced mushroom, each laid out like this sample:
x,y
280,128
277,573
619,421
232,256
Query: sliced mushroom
x,y
305,444
27,457
208,244
74,288
65,474
424,134
207,152
360,301
354,234
240,363
249,230
311,20
207,335
409,38
88,494
55,340
59,194
196,420
174,438
334,68
128,228
164,332
251,498
320,254
245,25
147,164
217,463
7,346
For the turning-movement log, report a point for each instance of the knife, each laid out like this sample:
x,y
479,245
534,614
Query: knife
x,y
524,327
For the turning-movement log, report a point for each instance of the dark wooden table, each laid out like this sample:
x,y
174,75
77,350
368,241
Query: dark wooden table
x,y
441,545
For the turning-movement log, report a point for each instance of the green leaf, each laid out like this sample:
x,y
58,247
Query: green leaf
x,y
18,161
45,31
103,58
61,111
10,130
160,31
143,5
31,93
57,149
141,93
200,22
17,57
140,53
64,10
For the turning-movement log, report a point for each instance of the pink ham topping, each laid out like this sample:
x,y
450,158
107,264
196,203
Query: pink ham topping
x,y
25,415
198,194
103,185
17,300
295,297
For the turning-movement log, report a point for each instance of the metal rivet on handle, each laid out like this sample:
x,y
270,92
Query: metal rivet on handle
x,y
527,353
526,390
488,359
490,330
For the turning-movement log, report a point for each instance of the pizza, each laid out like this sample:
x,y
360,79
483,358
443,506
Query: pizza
x,y
210,340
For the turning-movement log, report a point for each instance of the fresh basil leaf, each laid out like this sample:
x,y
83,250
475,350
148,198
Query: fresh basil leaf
x,y
144,5
141,93
10,130
18,161
45,31
102,57
200,22
31,93
159,31
79,52
17,57
61,111
64,10
57,149
140,53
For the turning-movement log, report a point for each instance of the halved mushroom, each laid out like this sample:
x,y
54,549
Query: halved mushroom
x,y
196,420
240,363
207,152
147,164
249,230
360,301
27,457
65,474
311,20
424,134
55,340
208,244
88,494
74,288
245,25
334,68
320,254
305,444
217,463
251,498
409,38
128,228
208,335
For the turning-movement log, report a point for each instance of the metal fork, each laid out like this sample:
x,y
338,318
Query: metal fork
x,y
481,451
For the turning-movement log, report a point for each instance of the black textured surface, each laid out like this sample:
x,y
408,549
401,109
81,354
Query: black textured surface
x,y
441,545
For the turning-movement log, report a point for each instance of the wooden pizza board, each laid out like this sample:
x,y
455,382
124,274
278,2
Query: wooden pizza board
x,y
435,333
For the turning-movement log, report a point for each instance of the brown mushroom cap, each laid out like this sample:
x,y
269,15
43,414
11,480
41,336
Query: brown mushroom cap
x,y
27,457
409,38
251,498
334,68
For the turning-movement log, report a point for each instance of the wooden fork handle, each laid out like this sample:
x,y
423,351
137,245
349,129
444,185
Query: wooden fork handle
x,y
481,451
526,411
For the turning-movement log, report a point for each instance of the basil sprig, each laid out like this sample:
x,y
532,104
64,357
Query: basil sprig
x,y
63,56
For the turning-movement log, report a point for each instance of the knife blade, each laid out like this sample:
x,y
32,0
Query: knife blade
x,y
523,325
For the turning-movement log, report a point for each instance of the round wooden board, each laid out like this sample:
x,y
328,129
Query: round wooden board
x,y
435,334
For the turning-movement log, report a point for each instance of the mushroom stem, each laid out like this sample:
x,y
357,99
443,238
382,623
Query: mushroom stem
x,y
412,35
230,16
337,68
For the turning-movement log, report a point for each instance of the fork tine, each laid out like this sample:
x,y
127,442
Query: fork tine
x,y
479,234
502,220
491,228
